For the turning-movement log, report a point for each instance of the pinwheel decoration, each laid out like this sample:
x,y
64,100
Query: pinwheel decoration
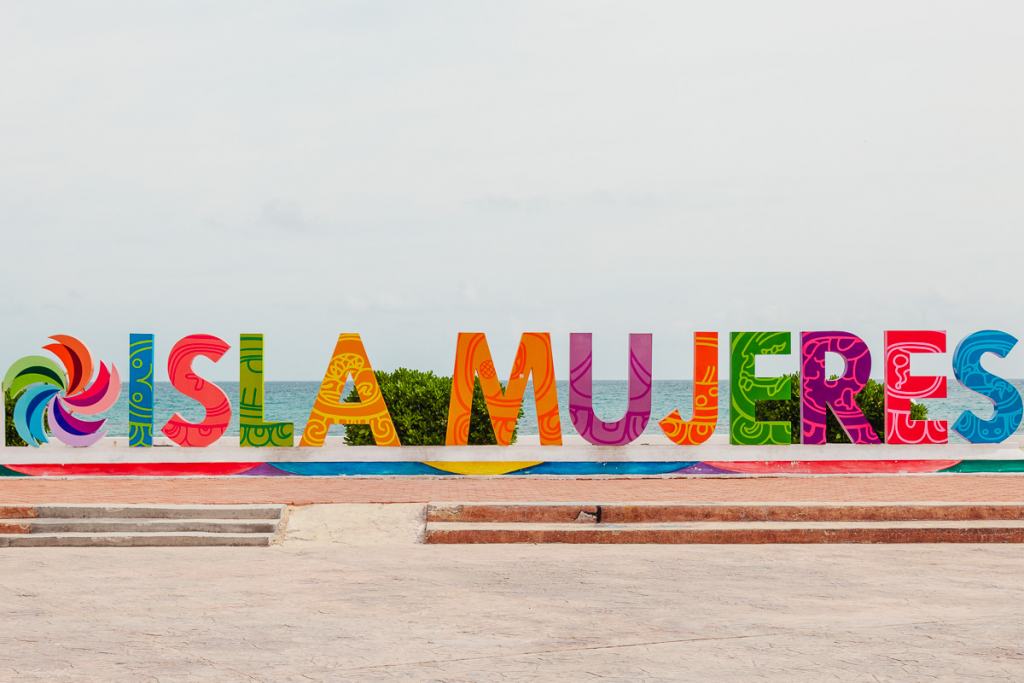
x,y
50,393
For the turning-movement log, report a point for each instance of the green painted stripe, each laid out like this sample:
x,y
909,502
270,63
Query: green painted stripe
x,y
987,466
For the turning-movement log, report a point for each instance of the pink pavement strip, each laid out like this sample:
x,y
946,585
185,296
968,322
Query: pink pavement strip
x,y
1008,488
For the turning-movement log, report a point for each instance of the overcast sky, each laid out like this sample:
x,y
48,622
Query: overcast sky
x,y
408,170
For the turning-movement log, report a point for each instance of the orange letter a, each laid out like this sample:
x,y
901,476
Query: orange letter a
x,y
349,358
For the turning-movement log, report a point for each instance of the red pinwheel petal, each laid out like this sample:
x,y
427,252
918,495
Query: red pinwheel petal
x,y
100,395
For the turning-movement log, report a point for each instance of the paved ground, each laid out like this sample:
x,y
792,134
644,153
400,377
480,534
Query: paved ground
x,y
307,490
404,612
311,610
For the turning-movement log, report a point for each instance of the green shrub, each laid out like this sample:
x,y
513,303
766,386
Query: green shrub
x,y
11,437
418,403
871,401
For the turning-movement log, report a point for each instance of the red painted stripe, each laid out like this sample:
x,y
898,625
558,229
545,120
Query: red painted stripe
x,y
149,469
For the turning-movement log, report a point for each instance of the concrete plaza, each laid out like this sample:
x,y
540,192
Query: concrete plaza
x,y
393,610
352,596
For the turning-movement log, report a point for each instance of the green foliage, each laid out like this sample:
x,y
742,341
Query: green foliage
x,y
418,403
10,434
871,401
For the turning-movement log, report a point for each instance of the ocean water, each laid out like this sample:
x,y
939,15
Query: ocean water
x,y
292,401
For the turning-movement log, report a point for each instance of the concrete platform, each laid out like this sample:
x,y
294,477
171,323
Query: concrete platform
x,y
207,505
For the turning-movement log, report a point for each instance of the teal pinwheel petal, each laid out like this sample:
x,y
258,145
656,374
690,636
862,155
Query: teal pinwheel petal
x,y
30,411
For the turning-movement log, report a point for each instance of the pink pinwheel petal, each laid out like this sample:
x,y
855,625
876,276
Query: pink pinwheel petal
x,y
101,394
92,393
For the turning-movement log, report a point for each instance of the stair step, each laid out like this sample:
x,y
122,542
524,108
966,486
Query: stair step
x,y
138,525
132,539
102,525
942,531
594,513
143,511
17,511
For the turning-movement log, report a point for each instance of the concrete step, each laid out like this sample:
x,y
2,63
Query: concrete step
x,y
139,525
144,511
942,531
594,513
133,539
101,525
17,511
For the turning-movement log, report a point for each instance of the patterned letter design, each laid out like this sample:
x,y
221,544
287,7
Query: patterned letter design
x,y
140,390
901,387
818,392
473,358
705,396
184,379
349,358
1004,396
252,430
746,389
581,386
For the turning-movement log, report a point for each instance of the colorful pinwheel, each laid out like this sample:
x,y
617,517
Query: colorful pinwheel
x,y
49,394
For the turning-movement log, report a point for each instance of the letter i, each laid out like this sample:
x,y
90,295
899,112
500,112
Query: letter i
x,y
140,390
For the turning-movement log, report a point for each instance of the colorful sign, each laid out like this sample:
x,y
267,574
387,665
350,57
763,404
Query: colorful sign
x,y
61,396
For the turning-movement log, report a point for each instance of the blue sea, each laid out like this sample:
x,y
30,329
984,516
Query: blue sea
x,y
291,401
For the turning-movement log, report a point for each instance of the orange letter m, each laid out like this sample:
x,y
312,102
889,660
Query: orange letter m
x,y
473,358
